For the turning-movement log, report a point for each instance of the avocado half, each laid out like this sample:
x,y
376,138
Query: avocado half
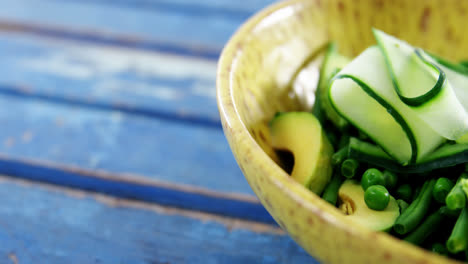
x,y
351,195
301,134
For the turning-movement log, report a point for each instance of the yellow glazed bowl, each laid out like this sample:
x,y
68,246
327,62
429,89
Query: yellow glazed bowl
x,y
253,79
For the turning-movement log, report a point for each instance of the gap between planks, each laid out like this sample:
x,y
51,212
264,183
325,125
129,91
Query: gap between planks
x,y
229,222
131,186
111,39
20,91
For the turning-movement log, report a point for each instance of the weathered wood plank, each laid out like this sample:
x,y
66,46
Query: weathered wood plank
x,y
213,7
49,225
111,39
138,188
151,84
118,142
171,26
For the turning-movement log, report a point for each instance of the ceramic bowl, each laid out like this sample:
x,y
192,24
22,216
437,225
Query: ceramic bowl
x,y
253,83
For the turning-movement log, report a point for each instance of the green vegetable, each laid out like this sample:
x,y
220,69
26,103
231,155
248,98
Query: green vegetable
x,y
371,177
344,141
339,156
349,168
398,116
458,240
456,199
422,86
464,63
391,179
404,192
413,216
440,249
330,194
423,231
447,155
301,134
402,204
355,209
363,93
457,74
377,197
441,189
464,186
332,62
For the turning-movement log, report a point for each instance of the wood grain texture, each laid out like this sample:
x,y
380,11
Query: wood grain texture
x,y
139,188
166,22
44,225
151,84
215,7
118,142
117,97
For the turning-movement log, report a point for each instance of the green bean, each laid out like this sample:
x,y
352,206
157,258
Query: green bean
x,y
464,63
349,168
413,215
441,189
404,192
344,141
339,156
416,192
439,248
377,197
391,179
330,194
371,177
464,186
456,199
452,213
333,138
423,231
402,204
458,240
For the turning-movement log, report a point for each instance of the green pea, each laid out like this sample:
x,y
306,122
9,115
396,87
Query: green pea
x,y
404,192
371,177
391,179
377,197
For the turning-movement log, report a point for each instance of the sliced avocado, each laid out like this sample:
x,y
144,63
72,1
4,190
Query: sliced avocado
x,y
333,62
301,134
353,205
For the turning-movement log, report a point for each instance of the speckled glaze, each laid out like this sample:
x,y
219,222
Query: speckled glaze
x,y
254,73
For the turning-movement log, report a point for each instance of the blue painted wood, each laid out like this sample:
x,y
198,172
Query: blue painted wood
x,y
238,206
118,142
116,40
164,25
211,7
43,225
150,84
201,8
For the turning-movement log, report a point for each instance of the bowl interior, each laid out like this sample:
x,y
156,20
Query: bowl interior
x,y
254,82
284,39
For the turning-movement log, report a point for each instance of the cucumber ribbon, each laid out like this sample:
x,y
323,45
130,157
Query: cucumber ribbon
x,y
404,99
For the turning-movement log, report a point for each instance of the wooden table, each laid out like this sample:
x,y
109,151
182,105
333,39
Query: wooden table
x,y
111,140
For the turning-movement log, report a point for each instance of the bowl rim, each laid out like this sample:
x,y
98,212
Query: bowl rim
x,y
315,204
